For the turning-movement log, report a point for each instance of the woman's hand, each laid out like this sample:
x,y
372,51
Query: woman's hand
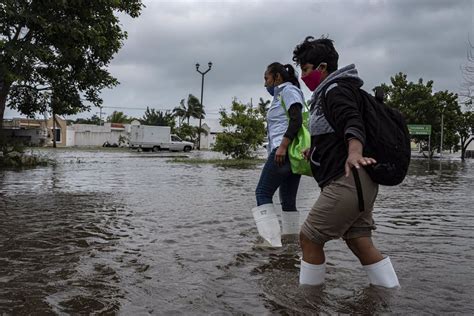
x,y
280,156
307,153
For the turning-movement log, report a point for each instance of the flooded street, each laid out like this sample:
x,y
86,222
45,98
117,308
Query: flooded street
x,y
129,233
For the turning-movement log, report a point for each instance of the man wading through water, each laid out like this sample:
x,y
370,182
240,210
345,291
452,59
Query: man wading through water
x,y
337,163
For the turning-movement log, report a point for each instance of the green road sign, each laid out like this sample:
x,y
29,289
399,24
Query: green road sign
x,y
419,129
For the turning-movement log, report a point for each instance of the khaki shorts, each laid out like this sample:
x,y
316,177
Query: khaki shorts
x,y
336,213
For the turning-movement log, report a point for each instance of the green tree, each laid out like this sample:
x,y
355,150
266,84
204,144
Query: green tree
x,y
188,132
54,54
465,128
95,120
244,131
118,117
158,118
263,106
420,105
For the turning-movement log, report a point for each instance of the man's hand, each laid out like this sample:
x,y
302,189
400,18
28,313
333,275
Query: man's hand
x,y
355,158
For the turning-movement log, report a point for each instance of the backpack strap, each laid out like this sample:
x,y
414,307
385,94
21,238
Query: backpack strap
x,y
360,195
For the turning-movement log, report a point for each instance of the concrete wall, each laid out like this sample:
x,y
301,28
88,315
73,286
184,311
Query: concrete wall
x,y
30,137
70,136
30,132
471,146
208,141
88,138
95,135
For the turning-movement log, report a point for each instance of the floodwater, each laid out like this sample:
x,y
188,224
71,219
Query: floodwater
x,y
121,232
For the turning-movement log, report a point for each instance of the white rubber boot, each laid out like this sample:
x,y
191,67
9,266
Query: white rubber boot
x,y
290,223
267,224
382,274
312,274
303,216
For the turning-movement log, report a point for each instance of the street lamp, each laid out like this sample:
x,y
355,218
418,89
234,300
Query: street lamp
x,y
202,90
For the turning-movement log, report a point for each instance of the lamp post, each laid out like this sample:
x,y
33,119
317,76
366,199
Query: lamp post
x,y
202,90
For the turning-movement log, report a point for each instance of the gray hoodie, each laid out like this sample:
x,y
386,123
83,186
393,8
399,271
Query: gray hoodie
x,y
318,125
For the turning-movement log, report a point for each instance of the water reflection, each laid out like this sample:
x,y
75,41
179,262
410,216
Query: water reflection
x,y
52,253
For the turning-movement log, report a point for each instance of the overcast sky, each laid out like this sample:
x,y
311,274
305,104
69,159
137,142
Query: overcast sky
x,y
156,66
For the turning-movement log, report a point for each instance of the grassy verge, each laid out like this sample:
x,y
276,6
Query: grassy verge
x,y
220,162
24,160
13,155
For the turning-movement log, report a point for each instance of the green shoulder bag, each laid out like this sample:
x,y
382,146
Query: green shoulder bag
x,y
301,142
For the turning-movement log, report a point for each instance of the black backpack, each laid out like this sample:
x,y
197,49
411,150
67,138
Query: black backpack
x,y
387,137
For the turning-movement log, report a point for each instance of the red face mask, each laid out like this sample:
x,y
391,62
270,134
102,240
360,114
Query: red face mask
x,y
313,79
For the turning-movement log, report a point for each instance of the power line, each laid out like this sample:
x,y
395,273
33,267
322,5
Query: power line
x,y
130,108
144,109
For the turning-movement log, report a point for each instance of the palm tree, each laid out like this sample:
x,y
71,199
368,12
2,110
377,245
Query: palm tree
x,y
193,109
180,111
117,117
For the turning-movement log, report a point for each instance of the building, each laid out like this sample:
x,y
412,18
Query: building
x,y
60,133
83,135
213,129
470,150
36,132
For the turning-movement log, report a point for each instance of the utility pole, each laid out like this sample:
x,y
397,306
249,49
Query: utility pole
x,y
442,130
202,91
100,116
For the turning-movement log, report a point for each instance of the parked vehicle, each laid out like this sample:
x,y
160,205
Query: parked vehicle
x,y
156,138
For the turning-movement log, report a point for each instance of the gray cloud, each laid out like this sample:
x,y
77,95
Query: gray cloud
x,y
423,38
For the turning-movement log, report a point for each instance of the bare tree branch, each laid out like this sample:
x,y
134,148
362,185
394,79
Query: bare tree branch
x,y
28,36
17,33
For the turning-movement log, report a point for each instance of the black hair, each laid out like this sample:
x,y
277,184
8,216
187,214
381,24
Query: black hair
x,y
287,72
316,51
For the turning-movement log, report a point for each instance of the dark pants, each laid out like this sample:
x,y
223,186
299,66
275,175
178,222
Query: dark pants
x,y
274,177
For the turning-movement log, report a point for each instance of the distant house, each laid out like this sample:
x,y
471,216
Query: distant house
x,y
36,132
60,133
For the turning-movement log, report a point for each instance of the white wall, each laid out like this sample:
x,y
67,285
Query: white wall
x,y
471,146
88,138
208,141
95,135
70,136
